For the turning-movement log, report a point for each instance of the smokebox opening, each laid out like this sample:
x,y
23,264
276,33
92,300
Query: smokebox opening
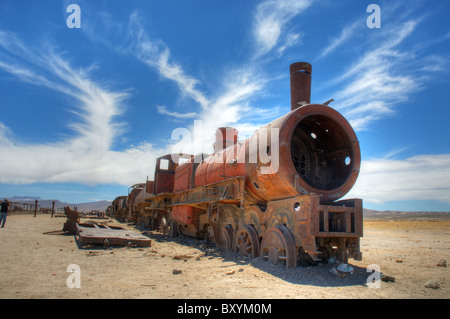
x,y
321,152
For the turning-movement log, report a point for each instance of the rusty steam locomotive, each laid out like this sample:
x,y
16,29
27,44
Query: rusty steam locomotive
x,y
282,212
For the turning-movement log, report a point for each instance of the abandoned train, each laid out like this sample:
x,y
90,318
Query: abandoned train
x,y
284,210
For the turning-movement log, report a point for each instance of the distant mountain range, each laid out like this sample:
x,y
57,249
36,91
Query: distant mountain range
x,y
102,205
393,214
47,203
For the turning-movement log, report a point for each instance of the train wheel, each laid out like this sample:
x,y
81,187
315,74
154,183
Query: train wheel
x,y
247,242
278,246
227,237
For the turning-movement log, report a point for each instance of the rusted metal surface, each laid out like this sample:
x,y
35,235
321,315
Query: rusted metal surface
x,y
73,217
225,137
183,175
247,242
285,209
184,214
145,193
109,236
278,246
318,152
164,174
300,77
118,209
132,201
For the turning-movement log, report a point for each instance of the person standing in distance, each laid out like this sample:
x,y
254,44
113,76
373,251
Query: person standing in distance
x,y
3,212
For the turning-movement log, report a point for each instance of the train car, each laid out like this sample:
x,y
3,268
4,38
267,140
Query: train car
x,y
118,208
275,195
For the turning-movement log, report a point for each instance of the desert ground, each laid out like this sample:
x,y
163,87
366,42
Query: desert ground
x,y
35,265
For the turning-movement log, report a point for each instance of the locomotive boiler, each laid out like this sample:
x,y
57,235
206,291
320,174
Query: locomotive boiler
x,y
274,195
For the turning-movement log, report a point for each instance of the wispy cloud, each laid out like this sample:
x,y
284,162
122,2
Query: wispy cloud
x,y
84,157
270,20
346,34
226,105
163,110
379,80
156,54
390,69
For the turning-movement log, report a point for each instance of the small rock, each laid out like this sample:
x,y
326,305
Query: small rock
x,y
399,260
442,263
432,284
241,269
387,278
197,258
177,271
231,272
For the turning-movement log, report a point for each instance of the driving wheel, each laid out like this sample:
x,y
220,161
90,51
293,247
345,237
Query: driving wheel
x,y
278,247
247,242
226,237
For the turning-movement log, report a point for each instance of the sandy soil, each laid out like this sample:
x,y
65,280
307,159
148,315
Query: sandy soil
x,y
34,265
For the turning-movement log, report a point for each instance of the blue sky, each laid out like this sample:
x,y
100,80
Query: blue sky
x,y
86,111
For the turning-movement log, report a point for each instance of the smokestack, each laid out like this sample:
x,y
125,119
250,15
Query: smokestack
x,y
300,84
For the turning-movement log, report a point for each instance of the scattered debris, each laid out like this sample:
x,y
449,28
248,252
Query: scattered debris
x,y
182,257
94,253
387,278
432,284
442,263
56,232
177,271
345,268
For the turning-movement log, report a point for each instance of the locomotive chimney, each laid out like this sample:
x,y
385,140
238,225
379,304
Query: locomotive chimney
x,y
300,84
